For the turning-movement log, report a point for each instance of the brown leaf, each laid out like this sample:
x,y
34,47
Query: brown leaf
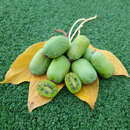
x,y
119,67
89,93
19,70
34,98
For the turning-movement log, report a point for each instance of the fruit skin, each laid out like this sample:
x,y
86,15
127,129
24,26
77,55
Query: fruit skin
x,y
78,47
88,53
47,88
39,63
102,65
58,68
84,70
73,82
56,46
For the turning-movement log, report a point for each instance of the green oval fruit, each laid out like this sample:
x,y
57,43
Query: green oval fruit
x,y
78,47
56,46
58,68
84,70
39,63
102,64
73,82
47,88
88,54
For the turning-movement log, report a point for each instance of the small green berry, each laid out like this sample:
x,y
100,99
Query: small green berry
x,y
47,88
73,82
78,47
102,64
39,63
56,46
84,70
88,54
58,68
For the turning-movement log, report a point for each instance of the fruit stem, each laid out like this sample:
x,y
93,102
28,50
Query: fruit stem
x,y
79,27
69,35
58,30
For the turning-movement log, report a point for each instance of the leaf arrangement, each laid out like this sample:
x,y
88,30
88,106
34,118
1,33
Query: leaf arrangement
x,y
19,72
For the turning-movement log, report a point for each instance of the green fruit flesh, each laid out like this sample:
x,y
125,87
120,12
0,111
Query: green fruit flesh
x,y
78,47
102,64
88,54
73,82
84,70
56,46
39,63
58,68
47,88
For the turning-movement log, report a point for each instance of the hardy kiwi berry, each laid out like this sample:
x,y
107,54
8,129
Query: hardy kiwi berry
x,y
58,68
84,70
78,47
39,63
102,64
88,54
47,88
56,46
73,82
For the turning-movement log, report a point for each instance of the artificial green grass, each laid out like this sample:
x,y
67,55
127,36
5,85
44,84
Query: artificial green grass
x,y
24,22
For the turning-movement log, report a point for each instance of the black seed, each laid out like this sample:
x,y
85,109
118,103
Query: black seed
x,y
42,89
50,86
75,79
68,78
73,87
46,91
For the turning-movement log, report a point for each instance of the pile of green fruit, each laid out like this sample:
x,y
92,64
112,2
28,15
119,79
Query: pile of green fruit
x,y
74,63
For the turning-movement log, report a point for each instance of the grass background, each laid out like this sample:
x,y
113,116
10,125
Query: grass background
x,y
24,22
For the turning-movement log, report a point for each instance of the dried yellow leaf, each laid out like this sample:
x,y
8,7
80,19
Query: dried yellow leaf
x,y
89,93
34,98
19,70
